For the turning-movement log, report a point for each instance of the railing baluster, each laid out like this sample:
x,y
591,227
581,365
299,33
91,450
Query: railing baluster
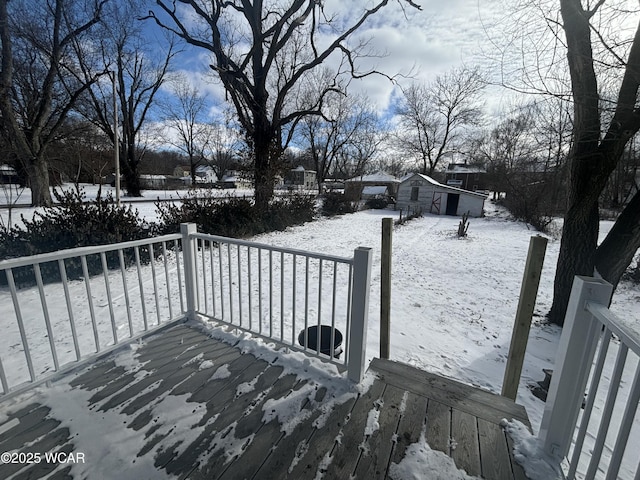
x,y
239,284
281,296
127,302
333,311
249,287
260,290
47,318
270,293
625,427
306,303
347,335
596,453
152,260
87,283
197,277
23,333
293,299
67,297
213,282
204,278
140,286
319,333
166,278
230,282
178,251
3,379
105,273
591,398
221,281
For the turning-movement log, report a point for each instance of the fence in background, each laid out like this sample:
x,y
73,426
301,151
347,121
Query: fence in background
x,y
68,306
602,445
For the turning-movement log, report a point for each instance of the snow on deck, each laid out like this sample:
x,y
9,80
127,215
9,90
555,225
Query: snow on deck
x,y
194,401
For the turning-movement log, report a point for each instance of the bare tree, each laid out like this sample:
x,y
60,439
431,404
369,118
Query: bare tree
x,y
263,51
344,138
221,147
138,77
433,116
40,82
186,116
599,140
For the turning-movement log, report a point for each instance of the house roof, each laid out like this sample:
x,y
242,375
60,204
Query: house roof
x,y
464,168
375,177
440,185
7,169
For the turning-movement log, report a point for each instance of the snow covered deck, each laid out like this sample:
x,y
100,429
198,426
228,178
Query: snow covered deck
x,y
182,403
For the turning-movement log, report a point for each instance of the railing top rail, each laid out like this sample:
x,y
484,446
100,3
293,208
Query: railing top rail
x,y
79,251
293,251
629,337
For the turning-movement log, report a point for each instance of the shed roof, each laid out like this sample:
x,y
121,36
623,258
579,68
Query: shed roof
x,y
381,177
440,185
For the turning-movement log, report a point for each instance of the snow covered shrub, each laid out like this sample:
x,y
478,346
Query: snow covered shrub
x,y
376,203
335,203
287,211
234,217
72,222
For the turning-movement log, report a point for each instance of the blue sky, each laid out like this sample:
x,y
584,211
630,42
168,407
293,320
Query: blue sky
x,y
424,43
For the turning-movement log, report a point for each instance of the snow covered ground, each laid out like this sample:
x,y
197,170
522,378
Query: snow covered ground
x,y
453,300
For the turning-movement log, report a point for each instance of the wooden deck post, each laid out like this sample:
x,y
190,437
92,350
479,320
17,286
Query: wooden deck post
x,y
571,371
357,346
385,287
189,256
524,313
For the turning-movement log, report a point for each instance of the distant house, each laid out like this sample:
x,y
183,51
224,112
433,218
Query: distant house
x,y
418,191
234,179
470,177
355,187
151,182
8,175
300,178
182,171
205,174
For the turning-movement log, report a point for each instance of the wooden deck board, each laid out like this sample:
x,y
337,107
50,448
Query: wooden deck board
x,y
374,462
438,426
465,449
494,454
359,437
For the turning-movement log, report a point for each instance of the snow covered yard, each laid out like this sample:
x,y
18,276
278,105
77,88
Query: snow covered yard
x,y
453,300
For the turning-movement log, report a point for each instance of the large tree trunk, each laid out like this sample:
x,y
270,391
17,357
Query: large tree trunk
x,y
264,139
263,181
616,252
576,256
130,174
39,182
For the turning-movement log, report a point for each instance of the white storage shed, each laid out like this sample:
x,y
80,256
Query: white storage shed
x,y
418,191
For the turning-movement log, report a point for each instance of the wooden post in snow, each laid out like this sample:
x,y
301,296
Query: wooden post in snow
x,y
522,325
385,287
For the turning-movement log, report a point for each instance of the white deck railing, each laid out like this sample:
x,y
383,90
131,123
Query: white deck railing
x,y
282,294
598,434
92,299
60,309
